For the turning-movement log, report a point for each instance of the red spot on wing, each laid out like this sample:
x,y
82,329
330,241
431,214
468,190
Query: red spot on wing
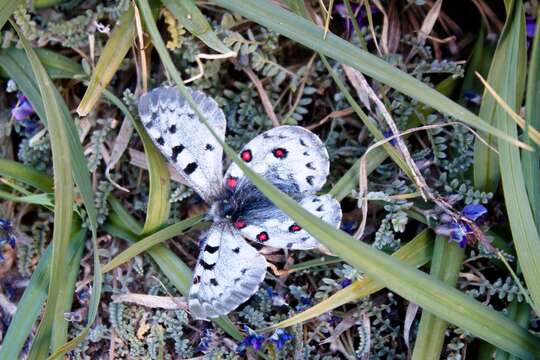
x,y
294,228
246,155
240,224
231,182
280,153
262,236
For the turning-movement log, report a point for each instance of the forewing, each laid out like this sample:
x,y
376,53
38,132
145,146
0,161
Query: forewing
x,y
183,139
272,227
290,152
228,272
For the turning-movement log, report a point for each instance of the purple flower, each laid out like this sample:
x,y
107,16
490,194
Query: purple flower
x,y
6,235
474,211
280,337
341,9
253,340
23,110
345,282
530,27
277,300
387,134
472,97
458,231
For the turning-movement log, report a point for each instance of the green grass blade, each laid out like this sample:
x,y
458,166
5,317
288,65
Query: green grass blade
x,y
410,283
417,252
156,238
511,81
112,56
189,15
124,217
532,117
75,154
445,265
35,294
310,35
26,175
9,6
63,195
507,77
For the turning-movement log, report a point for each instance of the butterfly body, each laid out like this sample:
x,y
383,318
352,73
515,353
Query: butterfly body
x,y
294,160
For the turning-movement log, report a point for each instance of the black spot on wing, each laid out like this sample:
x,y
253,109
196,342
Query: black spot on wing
x,y
310,179
176,150
302,142
172,129
190,168
211,249
207,266
309,165
209,147
236,250
214,282
160,140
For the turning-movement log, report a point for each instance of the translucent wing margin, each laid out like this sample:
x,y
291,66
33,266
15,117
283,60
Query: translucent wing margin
x,y
278,230
183,139
228,272
290,152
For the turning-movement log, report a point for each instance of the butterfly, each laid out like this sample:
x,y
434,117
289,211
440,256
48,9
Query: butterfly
x,y
229,270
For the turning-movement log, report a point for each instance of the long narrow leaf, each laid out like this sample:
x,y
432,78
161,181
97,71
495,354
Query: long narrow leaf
x,y
63,196
532,117
510,76
445,265
111,57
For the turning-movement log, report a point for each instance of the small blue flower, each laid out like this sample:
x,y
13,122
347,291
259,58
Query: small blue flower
x,y
458,231
345,282
6,235
277,300
389,133
472,97
253,340
530,26
206,339
474,211
23,110
280,337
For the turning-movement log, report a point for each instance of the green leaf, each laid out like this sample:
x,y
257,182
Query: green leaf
x,y
7,9
189,15
55,106
310,35
445,265
113,54
508,75
26,175
63,198
532,118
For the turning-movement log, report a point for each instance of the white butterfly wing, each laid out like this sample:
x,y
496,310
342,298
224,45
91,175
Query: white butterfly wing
x,y
228,272
279,230
183,139
289,152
